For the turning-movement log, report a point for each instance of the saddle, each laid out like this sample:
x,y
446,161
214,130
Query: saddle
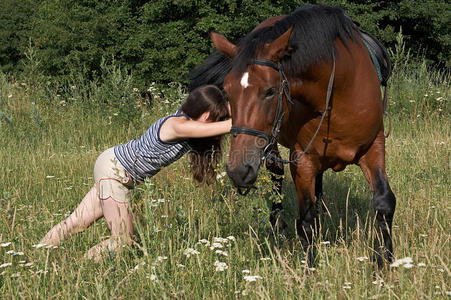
x,y
379,56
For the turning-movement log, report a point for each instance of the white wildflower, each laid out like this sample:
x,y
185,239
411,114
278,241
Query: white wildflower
x,y
5,265
220,240
190,251
362,258
246,271
15,275
448,293
138,265
265,258
347,285
325,243
180,265
216,245
3,245
401,261
231,238
161,258
220,252
10,95
408,266
152,277
421,264
221,175
14,253
205,242
220,266
378,282
252,278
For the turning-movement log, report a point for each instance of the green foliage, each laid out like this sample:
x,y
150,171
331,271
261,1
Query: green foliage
x,y
14,32
162,40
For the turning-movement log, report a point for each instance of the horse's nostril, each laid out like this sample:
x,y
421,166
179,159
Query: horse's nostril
x,y
249,174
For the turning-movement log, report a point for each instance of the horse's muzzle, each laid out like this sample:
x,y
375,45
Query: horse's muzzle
x,y
244,175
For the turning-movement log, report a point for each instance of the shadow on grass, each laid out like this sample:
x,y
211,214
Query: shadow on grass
x,y
349,209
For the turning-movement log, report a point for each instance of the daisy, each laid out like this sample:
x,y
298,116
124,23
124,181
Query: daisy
x,y
220,266
190,251
252,278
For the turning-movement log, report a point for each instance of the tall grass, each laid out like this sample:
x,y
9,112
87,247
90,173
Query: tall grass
x,y
50,137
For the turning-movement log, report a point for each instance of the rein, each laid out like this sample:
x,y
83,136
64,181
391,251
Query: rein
x,y
271,138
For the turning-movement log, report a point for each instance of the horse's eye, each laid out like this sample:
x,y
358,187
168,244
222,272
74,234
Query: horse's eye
x,y
270,92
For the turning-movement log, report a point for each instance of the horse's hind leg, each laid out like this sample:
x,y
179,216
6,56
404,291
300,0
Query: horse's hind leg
x,y
276,169
384,201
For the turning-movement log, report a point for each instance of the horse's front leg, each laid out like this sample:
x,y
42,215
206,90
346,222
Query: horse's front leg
x,y
384,201
304,175
275,166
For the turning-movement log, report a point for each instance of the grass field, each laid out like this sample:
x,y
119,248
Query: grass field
x,y
206,241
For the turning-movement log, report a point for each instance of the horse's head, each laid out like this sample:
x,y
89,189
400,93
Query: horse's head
x,y
255,89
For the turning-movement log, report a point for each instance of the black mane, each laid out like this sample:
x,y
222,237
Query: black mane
x,y
316,27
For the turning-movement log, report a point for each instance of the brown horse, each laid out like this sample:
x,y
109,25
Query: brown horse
x,y
306,81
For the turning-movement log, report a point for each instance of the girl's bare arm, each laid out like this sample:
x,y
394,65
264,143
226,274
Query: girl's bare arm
x,y
179,128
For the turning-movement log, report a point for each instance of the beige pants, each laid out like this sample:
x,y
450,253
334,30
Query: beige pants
x,y
111,179
108,198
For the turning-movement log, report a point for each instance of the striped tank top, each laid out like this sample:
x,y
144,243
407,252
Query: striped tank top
x,y
145,156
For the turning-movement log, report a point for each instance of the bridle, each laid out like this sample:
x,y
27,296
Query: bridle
x,y
284,88
271,138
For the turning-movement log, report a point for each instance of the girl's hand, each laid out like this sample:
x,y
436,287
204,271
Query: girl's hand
x,y
177,128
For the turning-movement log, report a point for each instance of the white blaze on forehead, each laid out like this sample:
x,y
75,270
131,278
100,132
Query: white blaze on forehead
x,y
245,80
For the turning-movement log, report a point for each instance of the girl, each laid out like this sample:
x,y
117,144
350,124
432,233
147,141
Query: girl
x,y
196,126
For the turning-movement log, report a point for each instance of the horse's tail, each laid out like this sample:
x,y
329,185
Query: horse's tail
x,y
212,71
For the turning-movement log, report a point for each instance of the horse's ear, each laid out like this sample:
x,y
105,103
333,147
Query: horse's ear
x,y
277,49
223,45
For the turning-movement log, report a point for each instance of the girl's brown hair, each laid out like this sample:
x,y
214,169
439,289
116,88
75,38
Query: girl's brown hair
x,y
206,153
